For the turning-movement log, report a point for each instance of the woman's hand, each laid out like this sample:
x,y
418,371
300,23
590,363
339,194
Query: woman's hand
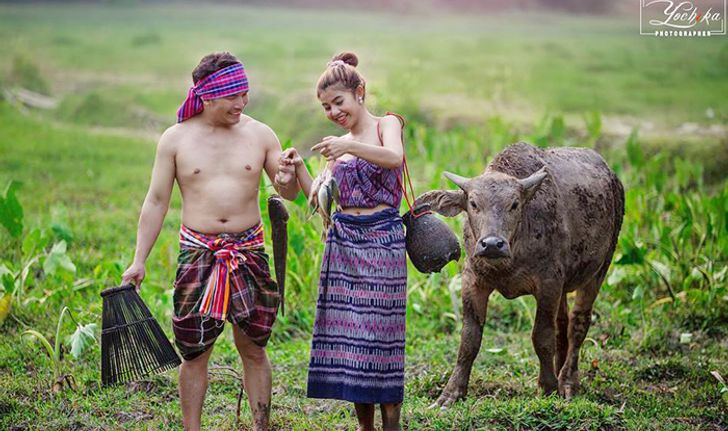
x,y
290,156
333,147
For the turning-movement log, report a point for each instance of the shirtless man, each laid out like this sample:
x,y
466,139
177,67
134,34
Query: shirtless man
x,y
217,155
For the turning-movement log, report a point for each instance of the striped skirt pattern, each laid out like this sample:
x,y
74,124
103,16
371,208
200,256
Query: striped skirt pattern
x,y
357,352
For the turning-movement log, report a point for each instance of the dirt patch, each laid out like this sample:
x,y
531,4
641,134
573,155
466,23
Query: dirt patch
x,y
497,389
133,416
668,370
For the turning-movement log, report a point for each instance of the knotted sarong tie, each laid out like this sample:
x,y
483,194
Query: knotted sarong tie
x,y
229,254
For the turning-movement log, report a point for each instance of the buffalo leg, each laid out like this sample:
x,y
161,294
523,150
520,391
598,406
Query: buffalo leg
x,y
475,305
579,322
544,335
562,331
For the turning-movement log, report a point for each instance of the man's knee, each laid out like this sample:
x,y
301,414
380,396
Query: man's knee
x,y
249,351
197,359
253,354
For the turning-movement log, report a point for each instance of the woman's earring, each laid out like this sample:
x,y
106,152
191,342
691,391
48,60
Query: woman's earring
x,y
361,100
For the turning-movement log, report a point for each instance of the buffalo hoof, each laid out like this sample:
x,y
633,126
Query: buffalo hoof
x,y
568,390
548,385
447,398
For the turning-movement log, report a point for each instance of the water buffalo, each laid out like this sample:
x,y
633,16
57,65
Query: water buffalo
x,y
543,223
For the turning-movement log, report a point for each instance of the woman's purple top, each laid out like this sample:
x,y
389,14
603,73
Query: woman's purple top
x,y
363,184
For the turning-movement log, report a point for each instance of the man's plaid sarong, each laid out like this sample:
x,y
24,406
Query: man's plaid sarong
x,y
223,277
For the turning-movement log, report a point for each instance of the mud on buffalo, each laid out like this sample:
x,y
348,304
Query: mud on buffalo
x,y
541,222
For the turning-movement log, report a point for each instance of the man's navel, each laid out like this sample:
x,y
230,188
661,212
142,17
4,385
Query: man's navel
x,y
197,171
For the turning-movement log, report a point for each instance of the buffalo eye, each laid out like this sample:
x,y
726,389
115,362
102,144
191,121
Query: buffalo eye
x,y
473,206
514,206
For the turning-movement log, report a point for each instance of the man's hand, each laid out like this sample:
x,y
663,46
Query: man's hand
x,y
332,147
134,275
287,164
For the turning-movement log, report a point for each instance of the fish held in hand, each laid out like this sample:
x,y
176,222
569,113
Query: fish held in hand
x,y
328,194
324,192
279,236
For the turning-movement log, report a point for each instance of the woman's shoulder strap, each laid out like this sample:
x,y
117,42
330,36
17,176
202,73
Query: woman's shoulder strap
x,y
399,117
401,121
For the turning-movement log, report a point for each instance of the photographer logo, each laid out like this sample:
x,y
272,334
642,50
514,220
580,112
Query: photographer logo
x,y
689,18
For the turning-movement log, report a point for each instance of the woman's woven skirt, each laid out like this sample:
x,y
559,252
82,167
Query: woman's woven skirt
x,y
357,352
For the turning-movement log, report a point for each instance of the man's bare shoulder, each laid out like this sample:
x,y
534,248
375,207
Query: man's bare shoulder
x,y
174,132
171,137
259,129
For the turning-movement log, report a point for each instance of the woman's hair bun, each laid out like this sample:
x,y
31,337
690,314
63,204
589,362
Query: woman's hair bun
x,y
347,57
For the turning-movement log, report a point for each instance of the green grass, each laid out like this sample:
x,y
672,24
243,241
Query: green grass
x,y
469,86
444,66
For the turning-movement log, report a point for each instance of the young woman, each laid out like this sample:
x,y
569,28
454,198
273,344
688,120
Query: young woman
x,y
357,352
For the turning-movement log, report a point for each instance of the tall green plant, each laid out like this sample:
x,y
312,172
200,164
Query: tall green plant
x,y
25,252
79,341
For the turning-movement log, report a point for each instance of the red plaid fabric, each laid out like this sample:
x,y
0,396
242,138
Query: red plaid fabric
x,y
225,82
222,277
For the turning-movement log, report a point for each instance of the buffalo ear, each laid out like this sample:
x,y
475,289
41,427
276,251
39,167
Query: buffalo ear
x,y
531,183
445,202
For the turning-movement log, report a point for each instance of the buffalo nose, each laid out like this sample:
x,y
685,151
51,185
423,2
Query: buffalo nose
x,y
493,241
492,246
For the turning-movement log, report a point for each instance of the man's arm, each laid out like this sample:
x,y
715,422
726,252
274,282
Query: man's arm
x,y
290,189
154,208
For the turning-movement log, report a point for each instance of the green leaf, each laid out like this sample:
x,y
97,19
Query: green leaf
x,y
633,252
638,293
541,141
686,338
720,275
634,151
66,263
50,264
593,122
43,340
618,274
662,269
8,282
11,212
558,127
62,231
59,247
32,242
417,308
4,269
82,339
57,258
6,303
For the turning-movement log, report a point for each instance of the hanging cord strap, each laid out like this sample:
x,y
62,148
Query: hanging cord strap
x,y
409,198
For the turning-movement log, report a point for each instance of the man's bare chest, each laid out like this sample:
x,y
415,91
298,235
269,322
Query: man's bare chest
x,y
204,161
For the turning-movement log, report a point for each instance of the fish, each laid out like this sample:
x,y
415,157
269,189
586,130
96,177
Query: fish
x,y
324,193
313,199
278,216
328,193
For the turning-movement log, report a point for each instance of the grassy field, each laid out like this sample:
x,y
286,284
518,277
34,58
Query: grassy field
x,y
655,108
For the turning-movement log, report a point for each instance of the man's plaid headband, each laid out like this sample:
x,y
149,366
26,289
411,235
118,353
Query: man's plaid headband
x,y
225,82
